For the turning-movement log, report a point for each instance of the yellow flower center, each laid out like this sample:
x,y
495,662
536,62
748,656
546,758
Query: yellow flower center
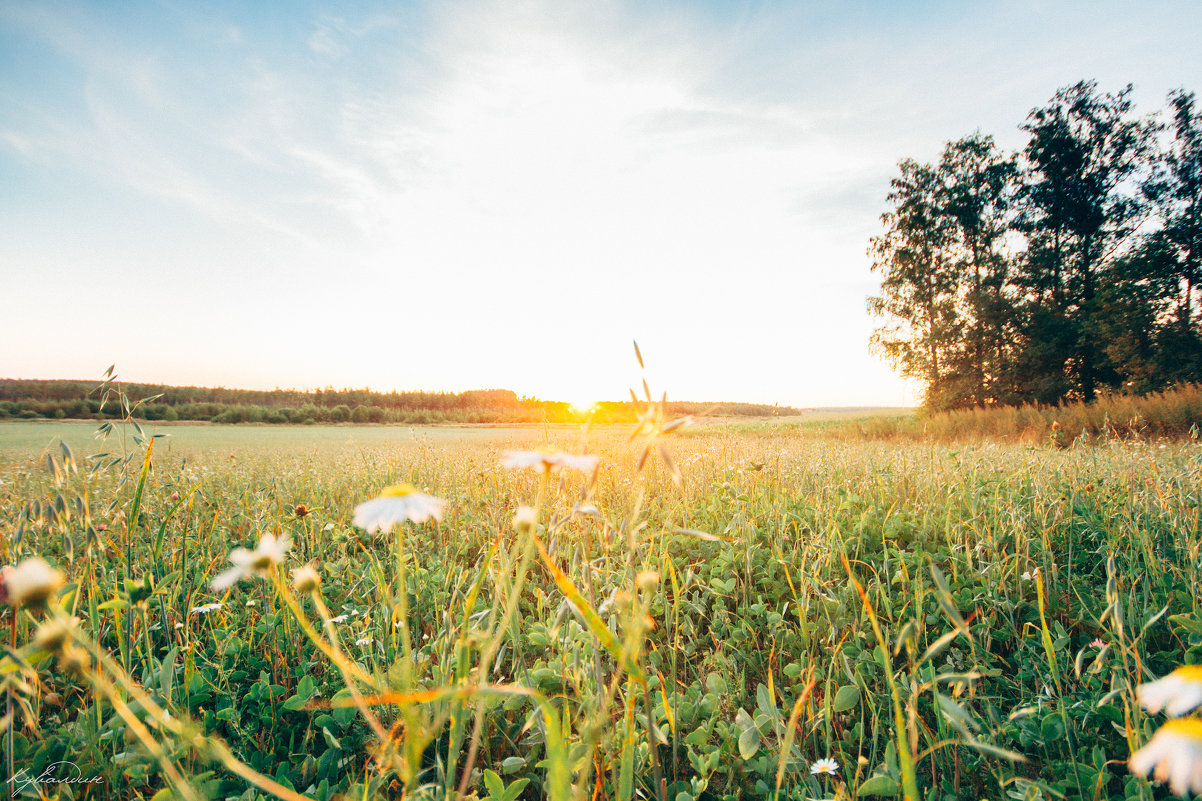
x,y
1184,727
1189,672
398,491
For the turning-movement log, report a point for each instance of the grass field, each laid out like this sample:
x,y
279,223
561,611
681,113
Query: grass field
x,y
957,623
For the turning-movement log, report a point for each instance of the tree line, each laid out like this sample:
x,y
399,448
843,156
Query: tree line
x,y
1053,274
65,399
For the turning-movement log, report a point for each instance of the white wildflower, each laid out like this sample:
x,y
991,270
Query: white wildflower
x,y
1174,754
550,460
270,551
826,766
395,504
1177,693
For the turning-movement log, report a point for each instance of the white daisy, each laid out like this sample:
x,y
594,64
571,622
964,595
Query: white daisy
x,y
1177,693
340,619
1174,754
826,766
270,551
31,582
395,504
204,610
363,641
550,460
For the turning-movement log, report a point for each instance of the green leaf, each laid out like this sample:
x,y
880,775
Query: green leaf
x,y
305,688
879,785
515,789
331,740
494,785
167,673
343,714
1052,727
749,742
512,764
846,698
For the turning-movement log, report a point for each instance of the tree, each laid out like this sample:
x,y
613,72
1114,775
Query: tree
x,y
977,185
919,283
1079,208
1179,198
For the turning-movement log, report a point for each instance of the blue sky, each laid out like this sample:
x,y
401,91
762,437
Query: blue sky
x,y
481,194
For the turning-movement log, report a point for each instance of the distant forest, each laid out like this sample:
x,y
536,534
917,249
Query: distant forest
x,y
1064,271
60,399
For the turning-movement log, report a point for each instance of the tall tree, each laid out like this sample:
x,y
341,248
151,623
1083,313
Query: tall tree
x,y
977,184
1079,207
1177,193
919,282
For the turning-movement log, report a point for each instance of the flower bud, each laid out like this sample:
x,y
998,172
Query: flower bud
x,y
305,579
31,583
54,634
524,520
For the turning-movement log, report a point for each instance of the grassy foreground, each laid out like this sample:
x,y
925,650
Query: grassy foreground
x,y
964,624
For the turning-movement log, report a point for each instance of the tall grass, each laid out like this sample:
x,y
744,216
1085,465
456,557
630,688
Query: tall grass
x,y
965,623
1174,413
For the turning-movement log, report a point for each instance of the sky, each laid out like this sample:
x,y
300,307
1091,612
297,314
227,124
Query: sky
x,y
483,194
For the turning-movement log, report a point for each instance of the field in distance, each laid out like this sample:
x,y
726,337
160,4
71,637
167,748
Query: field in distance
x,y
30,437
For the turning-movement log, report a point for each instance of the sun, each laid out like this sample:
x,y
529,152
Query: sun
x,y
583,406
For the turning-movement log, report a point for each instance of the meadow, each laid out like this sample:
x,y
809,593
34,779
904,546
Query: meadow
x,y
713,613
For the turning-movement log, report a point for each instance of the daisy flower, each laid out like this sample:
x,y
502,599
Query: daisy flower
x,y
270,551
1174,754
31,583
828,767
204,610
550,460
1177,693
395,504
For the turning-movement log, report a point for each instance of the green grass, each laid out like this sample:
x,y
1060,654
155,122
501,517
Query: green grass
x,y
1174,413
732,595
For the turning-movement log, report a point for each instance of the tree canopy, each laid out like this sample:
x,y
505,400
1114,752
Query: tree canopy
x,y
1052,274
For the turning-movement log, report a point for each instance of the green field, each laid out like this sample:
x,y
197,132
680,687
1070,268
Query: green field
x,y
965,623
20,439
